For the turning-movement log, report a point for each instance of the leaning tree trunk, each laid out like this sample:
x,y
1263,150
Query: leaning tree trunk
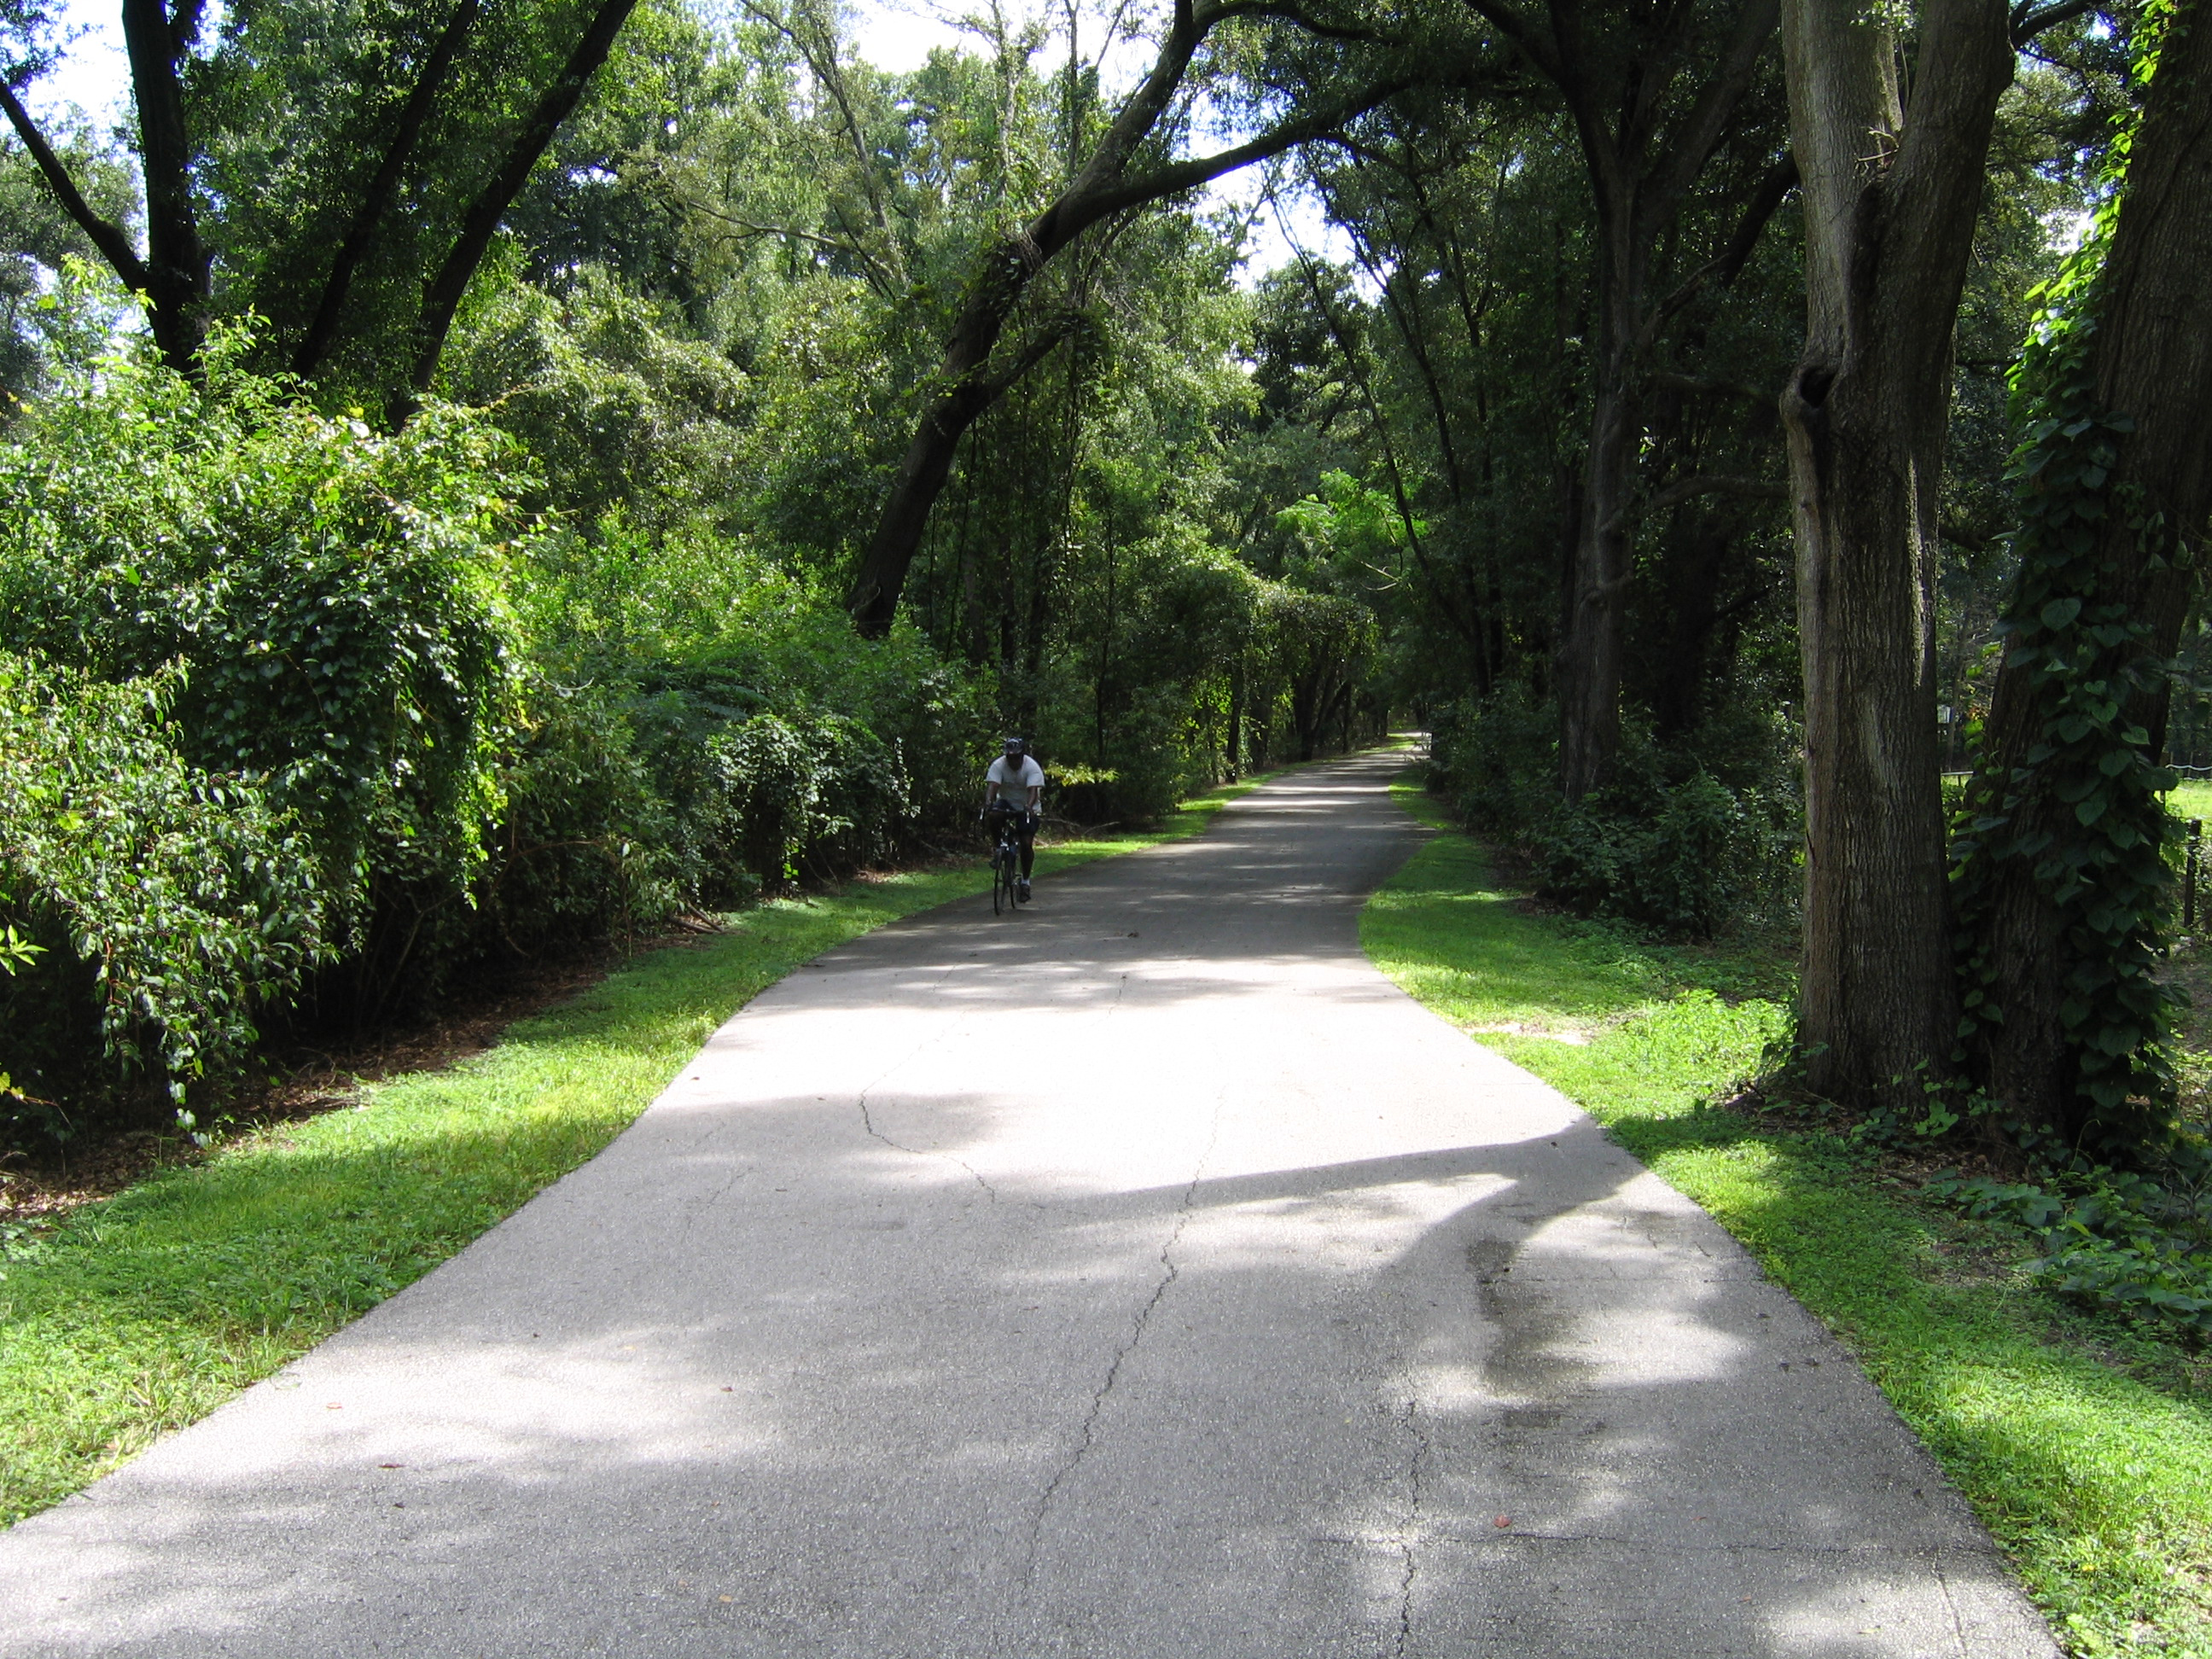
x,y
971,379
1890,198
2069,915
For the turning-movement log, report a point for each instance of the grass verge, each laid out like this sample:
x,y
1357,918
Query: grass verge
x,y
2084,1442
143,1313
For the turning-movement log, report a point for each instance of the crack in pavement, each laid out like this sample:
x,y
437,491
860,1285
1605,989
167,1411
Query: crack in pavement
x,y
868,1122
699,1206
867,1117
1409,1536
1951,1606
1171,1273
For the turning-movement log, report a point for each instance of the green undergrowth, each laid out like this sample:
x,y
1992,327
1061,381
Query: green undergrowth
x,y
2083,1441
145,1312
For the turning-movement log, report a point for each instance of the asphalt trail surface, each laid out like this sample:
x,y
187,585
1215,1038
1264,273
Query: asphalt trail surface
x,y
1144,1275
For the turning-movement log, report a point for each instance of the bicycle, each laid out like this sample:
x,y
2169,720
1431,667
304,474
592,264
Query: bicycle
x,y
1005,863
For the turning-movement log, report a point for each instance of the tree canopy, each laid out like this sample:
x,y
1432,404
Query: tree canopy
x,y
543,470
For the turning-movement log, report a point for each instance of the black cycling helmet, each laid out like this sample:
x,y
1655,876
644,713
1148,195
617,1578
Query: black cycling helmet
x,y
1016,748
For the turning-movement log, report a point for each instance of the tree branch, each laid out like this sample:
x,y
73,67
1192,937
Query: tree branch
x,y
441,296
1180,176
1686,151
2026,22
376,200
1728,264
1287,14
1703,386
878,277
1514,27
109,238
824,64
1035,349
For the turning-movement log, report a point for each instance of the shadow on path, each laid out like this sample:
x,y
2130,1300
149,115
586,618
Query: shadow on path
x,y
1140,1276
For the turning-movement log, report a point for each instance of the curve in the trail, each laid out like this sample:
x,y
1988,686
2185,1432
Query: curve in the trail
x,y
1142,1276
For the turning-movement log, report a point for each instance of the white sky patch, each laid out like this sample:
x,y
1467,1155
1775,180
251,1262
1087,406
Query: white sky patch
x,y
93,75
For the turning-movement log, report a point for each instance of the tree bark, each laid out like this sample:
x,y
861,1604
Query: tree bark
x,y
1890,197
2150,360
968,383
177,262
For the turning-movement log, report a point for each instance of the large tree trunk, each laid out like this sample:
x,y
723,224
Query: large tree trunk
x,y
2150,360
1590,655
177,261
1890,205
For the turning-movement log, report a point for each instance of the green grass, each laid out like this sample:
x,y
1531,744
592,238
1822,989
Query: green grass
x,y
2085,1444
145,1313
2191,798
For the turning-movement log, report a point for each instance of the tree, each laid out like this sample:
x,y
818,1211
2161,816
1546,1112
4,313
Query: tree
x,y
1890,189
1651,100
176,275
2064,882
38,321
1116,178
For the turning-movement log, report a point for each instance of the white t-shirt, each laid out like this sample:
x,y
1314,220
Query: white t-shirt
x,y
1015,783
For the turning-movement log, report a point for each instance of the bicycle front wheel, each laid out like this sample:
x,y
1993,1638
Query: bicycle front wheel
x,y
1002,883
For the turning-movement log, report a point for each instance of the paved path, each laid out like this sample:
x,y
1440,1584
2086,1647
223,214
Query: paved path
x,y
1142,1277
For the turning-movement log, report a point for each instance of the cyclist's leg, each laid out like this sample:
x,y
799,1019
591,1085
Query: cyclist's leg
x,y
1025,827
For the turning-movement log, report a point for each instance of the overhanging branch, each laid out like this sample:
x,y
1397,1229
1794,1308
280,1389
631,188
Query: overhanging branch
x,y
109,238
1179,176
376,200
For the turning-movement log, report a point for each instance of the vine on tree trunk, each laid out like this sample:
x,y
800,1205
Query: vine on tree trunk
x,y
2084,813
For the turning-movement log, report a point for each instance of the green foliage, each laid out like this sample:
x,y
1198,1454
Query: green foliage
x,y
329,593
43,328
2137,1242
2084,813
1687,841
432,727
149,909
615,405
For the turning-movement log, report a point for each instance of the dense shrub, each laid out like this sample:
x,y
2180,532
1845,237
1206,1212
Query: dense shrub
x,y
300,719
1687,841
328,592
168,905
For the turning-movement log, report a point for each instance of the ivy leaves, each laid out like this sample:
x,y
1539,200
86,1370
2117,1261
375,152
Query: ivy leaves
x,y
2082,812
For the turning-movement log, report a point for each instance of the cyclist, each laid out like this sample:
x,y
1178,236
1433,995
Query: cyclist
x,y
1014,784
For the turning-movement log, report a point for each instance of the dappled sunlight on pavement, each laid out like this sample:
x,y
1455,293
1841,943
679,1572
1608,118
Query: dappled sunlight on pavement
x,y
1140,1275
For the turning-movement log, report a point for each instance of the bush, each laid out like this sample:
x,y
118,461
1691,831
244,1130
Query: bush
x,y
302,720
329,593
168,905
1686,842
